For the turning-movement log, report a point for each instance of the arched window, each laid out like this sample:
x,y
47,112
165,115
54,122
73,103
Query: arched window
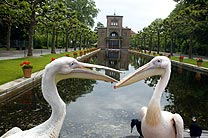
x,y
113,42
114,22
113,34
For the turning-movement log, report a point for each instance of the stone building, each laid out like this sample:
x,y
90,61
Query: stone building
x,y
114,36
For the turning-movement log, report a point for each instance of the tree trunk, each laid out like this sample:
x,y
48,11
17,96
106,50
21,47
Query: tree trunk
x,y
47,41
207,51
56,40
150,44
30,46
8,36
67,40
158,42
53,48
165,45
74,45
80,42
31,34
144,44
171,44
191,45
84,43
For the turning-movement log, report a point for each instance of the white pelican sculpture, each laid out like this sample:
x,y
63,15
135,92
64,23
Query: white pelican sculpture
x,y
61,68
156,123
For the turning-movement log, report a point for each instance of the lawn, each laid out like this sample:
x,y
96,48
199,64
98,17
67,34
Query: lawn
x,y
190,61
11,70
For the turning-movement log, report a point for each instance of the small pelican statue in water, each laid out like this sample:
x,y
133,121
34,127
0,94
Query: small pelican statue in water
x,y
59,69
155,122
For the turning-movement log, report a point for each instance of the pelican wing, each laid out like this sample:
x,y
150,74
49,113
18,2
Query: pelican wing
x,y
143,112
178,125
11,132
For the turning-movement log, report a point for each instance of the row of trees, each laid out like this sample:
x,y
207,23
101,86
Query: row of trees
x,y
48,23
185,30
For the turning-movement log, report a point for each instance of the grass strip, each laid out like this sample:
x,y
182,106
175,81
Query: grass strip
x,y
11,70
190,61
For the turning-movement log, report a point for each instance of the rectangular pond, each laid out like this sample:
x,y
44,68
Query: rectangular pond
x,y
96,110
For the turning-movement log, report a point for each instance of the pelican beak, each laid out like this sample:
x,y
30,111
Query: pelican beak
x,y
141,73
82,71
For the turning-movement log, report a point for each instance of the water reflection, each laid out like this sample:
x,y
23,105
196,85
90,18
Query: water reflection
x,y
25,112
117,59
31,109
96,110
189,91
71,89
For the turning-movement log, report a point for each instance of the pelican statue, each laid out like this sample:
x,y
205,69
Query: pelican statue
x,y
59,69
155,122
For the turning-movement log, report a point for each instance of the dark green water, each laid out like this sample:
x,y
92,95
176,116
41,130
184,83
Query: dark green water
x,y
96,110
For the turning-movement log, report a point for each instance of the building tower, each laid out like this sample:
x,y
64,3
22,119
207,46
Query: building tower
x,y
114,36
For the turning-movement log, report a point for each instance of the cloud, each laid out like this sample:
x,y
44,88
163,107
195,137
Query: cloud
x,y
136,13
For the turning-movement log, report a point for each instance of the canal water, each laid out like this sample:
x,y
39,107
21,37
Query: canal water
x,y
96,110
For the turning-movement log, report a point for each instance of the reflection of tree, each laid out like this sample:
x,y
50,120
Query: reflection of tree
x,y
189,97
152,81
25,115
72,89
137,60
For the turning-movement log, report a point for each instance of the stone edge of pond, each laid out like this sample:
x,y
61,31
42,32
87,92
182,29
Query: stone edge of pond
x,y
187,66
12,89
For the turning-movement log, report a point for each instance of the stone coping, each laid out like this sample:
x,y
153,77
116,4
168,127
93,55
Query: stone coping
x,y
187,66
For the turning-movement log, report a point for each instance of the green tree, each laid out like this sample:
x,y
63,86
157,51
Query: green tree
x,y
184,30
157,27
12,13
55,14
31,20
171,27
191,17
68,27
99,25
7,14
86,10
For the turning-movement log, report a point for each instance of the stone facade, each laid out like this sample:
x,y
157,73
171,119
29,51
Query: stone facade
x,y
114,36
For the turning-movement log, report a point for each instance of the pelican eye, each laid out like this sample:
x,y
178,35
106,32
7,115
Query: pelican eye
x,y
72,63
158,62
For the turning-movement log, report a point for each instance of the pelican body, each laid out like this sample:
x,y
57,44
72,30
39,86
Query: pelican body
x,y
59,69
155,122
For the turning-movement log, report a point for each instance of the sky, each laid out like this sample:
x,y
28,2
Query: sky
x,y
137,14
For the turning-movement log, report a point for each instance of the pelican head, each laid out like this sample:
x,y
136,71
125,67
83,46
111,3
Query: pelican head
x,y
67,67
157,66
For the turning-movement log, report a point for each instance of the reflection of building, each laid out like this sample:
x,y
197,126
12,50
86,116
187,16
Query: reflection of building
x,y
114,36
117,59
